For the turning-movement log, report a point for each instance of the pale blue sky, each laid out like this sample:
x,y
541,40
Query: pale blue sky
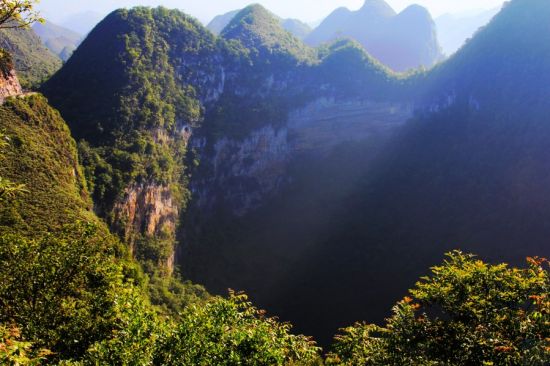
x,y
204,10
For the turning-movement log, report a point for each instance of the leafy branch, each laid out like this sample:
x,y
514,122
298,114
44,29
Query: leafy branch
x,y
18,13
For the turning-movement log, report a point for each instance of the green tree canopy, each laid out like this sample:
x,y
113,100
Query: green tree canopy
x,y
466,312
233,332
18,13
63,290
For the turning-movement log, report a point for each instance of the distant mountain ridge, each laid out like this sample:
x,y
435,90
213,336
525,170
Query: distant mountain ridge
x,y
294,26
401,41
219,22
59,40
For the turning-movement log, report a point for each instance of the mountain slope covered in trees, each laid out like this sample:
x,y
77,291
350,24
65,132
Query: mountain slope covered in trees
x,y
33,61
55,252
43,156
256,27
133,117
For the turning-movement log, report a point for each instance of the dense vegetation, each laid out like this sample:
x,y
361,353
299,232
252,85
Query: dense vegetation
x,y
233,332
294,26
33,61
465,313
261,32
59,280
351,71
79,303
42,155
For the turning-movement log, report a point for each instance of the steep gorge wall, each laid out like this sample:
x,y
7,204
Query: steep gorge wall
x,y
243,173
262,204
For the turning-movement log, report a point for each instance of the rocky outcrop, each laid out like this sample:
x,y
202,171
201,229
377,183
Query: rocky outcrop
x,y
9,83
150,210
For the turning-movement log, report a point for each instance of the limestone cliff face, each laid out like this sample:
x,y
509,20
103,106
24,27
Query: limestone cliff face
x,y
151,209
326,123
148,209
9,83
244,173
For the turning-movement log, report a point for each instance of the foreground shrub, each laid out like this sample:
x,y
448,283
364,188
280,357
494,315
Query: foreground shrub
x,y
465,313
62,289
14,351
233,332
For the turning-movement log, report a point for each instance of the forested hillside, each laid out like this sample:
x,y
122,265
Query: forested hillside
x,y
56,256
33,61
131,114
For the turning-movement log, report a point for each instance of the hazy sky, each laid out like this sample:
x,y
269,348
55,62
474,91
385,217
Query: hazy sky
x,y
204,10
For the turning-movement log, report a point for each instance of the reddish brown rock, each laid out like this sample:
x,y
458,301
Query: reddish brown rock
x,y
9,83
